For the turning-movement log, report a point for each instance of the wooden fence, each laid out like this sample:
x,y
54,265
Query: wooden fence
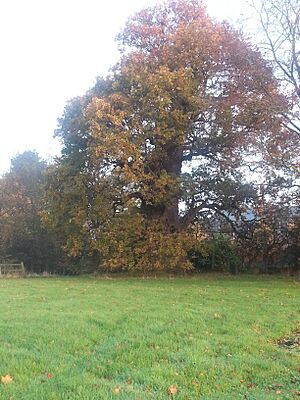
x,y
12,268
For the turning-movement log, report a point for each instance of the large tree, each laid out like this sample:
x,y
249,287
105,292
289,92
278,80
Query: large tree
x,y
280,42
163,139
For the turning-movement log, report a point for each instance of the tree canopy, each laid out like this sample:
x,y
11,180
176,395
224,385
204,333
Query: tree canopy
x,y
164,139
280,31
23,235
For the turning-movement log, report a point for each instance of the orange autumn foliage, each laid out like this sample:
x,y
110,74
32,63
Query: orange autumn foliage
x,y
186,88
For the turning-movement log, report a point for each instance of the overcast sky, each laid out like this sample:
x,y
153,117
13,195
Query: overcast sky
x,y
51,51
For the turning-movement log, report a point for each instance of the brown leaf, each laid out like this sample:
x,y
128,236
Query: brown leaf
x,y
50,376
6,379
278,392
172,390
194,382
129,381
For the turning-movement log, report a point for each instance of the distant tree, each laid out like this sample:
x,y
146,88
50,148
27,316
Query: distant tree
x,y
293,252
280,26
22,234
187,89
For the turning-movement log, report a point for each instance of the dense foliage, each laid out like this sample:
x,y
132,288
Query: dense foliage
x,y
186,88
23,235
162,148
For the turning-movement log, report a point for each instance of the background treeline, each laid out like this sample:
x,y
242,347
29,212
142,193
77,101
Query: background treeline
x,y
186,156
270,243
23,233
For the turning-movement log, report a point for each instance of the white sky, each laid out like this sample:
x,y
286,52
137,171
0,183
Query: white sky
x,y
51,51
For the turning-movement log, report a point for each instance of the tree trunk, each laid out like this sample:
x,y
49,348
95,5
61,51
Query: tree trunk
x,y
167,213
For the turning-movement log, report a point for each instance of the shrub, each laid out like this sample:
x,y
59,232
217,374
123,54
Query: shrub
x,y
215,254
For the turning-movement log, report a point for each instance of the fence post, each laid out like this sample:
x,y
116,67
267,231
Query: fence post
x,y
23,268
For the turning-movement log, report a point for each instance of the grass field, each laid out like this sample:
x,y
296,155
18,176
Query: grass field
x,y
204,338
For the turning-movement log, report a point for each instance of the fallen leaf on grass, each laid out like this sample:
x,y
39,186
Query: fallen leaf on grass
x,y
50,376
172,389
129,381
116,390
279,392
194,382
148,389
6,379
